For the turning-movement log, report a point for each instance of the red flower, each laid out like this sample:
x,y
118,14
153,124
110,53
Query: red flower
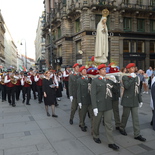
x,y
100,78
74,74
82,77
130,76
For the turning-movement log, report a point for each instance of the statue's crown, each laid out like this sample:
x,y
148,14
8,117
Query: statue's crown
x,y
105,12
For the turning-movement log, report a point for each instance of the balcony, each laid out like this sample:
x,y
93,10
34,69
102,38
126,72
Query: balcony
x,y
137,7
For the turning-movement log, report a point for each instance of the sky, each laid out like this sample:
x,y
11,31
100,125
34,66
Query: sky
x,y
21,18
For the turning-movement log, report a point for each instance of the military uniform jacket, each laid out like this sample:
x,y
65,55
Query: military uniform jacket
x,y
73,85
83,93
131,96
101,94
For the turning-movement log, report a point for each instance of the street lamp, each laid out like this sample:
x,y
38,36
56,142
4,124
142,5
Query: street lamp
x,y
25,52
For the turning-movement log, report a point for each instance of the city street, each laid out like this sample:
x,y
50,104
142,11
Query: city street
x,y
26,130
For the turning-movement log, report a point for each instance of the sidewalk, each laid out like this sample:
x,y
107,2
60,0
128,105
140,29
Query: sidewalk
x,y
26,130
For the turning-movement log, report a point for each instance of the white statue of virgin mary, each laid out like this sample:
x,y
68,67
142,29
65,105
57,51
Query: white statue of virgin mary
x,y
101,45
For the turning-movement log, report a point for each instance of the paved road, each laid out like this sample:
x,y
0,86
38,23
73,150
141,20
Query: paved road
x,y
26,130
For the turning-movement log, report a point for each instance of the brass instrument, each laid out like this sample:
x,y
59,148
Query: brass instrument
x,y
13,80
2,80
27,80
41,76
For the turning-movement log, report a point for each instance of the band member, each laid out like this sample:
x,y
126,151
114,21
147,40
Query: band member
x,y
18,85
38,79
9,80
49,93
59,89
101,97
131,100
33,85
26,83
73,91
66,74
83,97
3,86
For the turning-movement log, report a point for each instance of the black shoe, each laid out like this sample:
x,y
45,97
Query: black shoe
x,y
117,128
97,140
13,105
151,123
71,121
113,146
23,101
48,114
28,104
39,102
83,129
123,132
35,98
56,104
140,138
2,100
84,126
54,116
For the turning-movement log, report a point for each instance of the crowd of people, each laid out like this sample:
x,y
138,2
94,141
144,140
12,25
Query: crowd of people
x,y
98,96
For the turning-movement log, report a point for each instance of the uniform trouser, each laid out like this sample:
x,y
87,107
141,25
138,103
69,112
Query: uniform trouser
x,y
115,107
3,88
18,89
66,86
26,90
11,94
74,107
84,110
108,125
33,88
135,119
40,93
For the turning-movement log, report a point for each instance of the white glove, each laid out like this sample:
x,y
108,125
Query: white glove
x,y
71,98
95,111
80,105
113,78
140,104
133,75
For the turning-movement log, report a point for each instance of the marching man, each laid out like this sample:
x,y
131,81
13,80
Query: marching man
x,y
131,100
83,97
101,97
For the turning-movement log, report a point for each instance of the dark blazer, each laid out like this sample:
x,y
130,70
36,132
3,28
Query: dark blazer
x,y
130,98
99,97
83,94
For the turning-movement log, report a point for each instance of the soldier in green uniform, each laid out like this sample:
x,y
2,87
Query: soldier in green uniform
x,y
131,100
83,97
73,91
101,97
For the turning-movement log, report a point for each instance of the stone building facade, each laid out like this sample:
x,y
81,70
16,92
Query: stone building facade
x,y
70,29
2,32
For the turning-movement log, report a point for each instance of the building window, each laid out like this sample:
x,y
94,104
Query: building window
x,y
59,32
152,24
127,24
59,51
126,1
140,25
140,46
152,47
77,25
139,2
98,18
126,46
152,2
78,46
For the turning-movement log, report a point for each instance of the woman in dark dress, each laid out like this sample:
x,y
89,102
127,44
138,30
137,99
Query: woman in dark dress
x,y
49,93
